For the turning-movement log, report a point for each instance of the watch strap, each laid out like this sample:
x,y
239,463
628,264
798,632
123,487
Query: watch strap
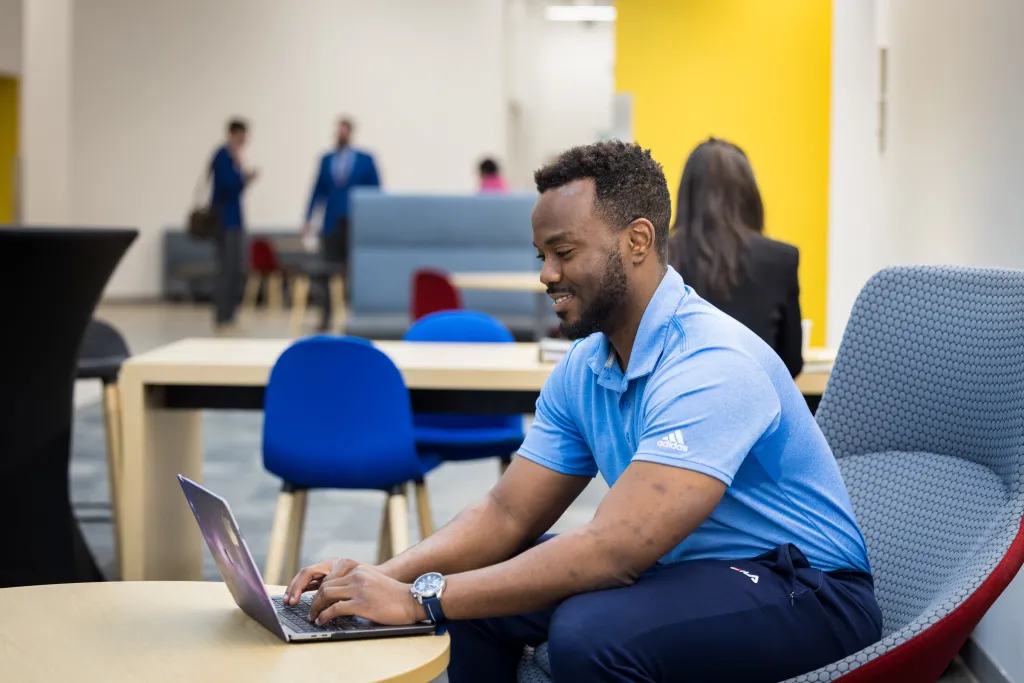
x,y
434,612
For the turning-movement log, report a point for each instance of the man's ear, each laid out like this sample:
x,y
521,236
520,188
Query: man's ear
x,y
640,235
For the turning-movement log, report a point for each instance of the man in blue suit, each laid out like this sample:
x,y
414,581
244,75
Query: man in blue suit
x,y
340,170
229,180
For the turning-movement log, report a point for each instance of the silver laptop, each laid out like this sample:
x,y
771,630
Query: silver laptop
x,y
288,622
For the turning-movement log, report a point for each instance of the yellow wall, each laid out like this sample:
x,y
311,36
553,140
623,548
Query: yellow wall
x,y
8,145
756,72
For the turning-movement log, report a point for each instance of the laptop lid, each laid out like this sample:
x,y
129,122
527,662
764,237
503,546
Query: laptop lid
x,y
231,554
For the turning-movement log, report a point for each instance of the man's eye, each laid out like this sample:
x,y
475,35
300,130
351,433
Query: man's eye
x,y
540,256
563,254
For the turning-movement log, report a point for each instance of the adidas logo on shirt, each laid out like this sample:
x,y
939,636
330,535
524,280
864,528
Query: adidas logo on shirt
x,y
674,440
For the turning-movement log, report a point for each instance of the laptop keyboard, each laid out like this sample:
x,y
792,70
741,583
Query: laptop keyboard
x,y
297,617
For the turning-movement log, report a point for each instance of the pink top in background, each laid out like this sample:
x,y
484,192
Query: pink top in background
x,y
493,183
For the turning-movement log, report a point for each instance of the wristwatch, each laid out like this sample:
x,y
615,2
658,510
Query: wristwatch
x,y
427,590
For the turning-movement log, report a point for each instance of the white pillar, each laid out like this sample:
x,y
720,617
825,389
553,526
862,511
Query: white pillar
x,y
45,117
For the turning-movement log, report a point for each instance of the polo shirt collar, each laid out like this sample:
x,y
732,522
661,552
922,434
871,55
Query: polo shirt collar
x,y
650,337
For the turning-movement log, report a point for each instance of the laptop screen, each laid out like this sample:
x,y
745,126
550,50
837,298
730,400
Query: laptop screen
x,y
234,561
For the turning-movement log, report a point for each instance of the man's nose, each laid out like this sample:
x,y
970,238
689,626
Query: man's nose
x,y
550,274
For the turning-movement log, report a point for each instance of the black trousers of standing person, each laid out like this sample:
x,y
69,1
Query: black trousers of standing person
x,y
760,620
227,279
333,250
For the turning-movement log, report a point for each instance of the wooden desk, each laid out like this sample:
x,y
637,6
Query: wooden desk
x,y
164,390
500,282
172,632
512,282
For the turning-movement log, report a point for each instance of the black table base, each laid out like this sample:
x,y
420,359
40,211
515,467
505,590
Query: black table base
x,y
198,397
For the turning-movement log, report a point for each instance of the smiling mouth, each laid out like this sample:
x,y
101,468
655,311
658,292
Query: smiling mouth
x,y
561,302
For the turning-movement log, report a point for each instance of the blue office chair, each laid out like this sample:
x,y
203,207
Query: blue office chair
x,y
337,415
465,437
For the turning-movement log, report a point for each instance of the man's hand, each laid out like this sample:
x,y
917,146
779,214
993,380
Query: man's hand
x,y
309,578
362,590
307,228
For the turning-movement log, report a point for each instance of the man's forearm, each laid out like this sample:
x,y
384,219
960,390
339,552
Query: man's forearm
x,y
575,562
481,535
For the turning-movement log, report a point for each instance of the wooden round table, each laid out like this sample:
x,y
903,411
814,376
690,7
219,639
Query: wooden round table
x,y
182,631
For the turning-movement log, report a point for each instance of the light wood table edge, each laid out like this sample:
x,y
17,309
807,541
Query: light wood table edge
x,y
433,665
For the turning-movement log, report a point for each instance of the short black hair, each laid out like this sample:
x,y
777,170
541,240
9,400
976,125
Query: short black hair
x,y
237,126
629,184
489,167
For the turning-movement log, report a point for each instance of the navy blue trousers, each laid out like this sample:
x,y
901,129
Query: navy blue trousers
x,y
764,619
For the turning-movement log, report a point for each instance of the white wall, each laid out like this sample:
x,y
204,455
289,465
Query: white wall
x,y
561,76
10,37
154,84
44,118
856,241
955,167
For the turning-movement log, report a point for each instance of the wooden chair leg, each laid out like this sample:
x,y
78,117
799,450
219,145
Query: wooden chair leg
x,y
252,291
300,298
384,542
275,292
293,559
423,512
285,536
115,458
398,520
337,285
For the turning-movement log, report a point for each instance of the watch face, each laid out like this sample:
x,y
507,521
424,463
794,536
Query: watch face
x,y
428,585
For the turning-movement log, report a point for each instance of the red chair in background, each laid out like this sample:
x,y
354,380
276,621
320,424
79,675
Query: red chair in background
x,y
432,291
264,267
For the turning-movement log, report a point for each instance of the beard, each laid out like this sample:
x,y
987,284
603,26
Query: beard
x,y
605,311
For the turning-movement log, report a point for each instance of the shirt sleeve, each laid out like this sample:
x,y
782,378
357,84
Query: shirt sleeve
x,y
707,412
554,439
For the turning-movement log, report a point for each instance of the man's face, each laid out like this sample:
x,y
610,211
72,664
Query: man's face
x,y
344,134
582,254
238,139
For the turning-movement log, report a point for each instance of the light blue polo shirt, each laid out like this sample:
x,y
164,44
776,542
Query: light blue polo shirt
x,y
704,393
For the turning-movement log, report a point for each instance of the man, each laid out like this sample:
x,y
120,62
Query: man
x,y
339,171
229,180
726,549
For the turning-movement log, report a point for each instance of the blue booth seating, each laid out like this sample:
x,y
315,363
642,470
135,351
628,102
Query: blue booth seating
x,y
393,235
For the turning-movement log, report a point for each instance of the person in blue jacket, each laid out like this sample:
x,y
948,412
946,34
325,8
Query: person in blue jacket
x,y
339,171
229,181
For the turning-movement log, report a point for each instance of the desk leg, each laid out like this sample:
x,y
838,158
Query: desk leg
x,y
300,298
159,537
542,304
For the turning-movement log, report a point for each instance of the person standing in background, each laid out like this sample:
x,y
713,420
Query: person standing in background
x,y
340,170
229,179
491,179
719,248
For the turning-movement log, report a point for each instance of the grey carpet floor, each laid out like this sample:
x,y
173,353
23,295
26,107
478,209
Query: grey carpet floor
x,y
339,523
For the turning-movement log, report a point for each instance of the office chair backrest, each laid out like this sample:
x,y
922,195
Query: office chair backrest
x,y
337,415
461,326
102,352
432,291
262,255
933,360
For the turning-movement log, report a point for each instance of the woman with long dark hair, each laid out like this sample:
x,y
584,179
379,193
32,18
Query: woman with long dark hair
x,y
719,248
